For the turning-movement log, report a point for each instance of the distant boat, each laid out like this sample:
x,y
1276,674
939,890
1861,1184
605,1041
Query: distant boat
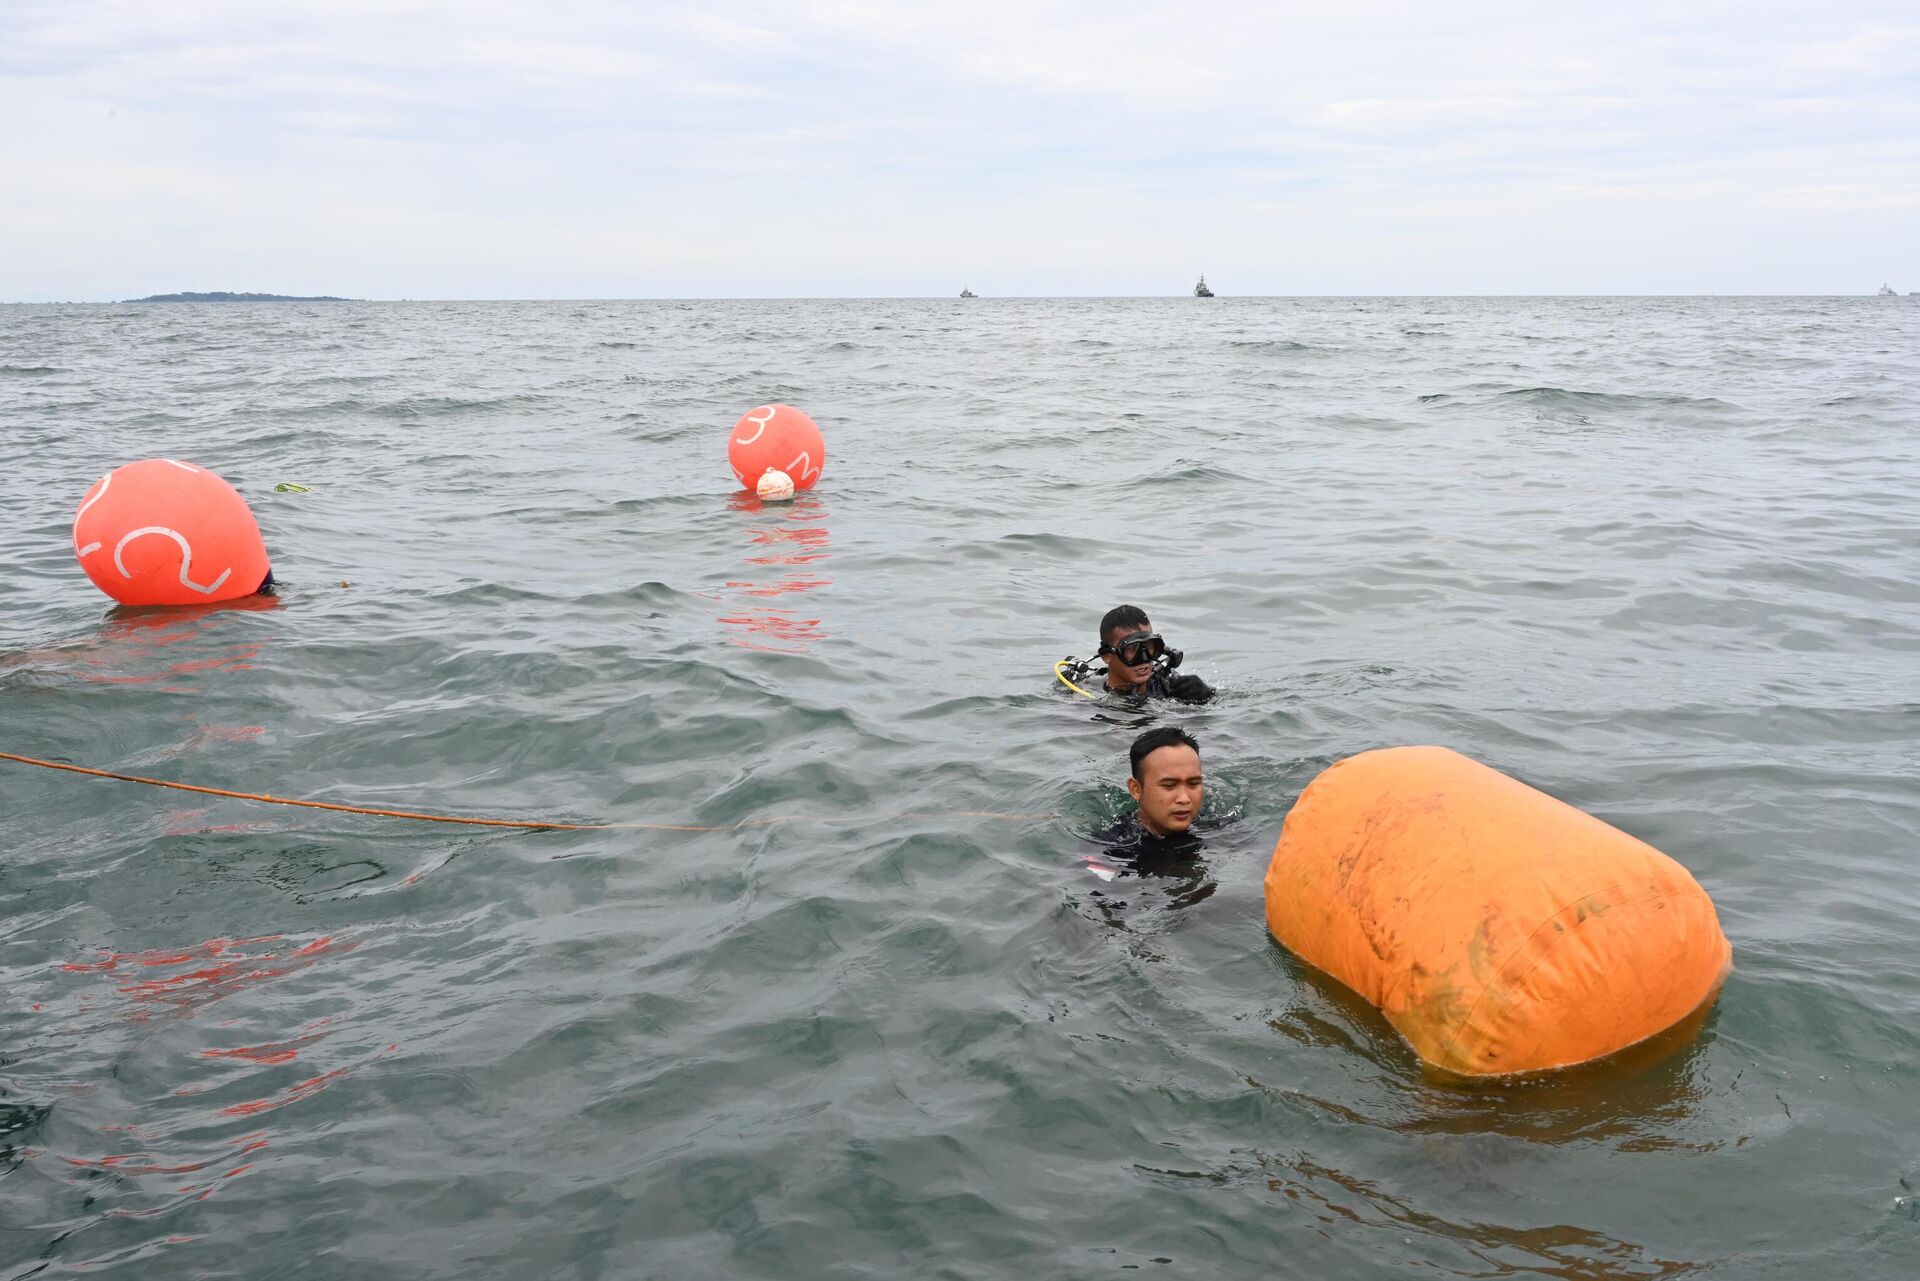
x,y
1887,292
968,293
1200,290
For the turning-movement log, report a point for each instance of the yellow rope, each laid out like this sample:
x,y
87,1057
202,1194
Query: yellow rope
x,y
1069,684
533,824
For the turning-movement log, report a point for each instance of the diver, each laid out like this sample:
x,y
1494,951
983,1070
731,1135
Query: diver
x,y
1139,663
1158,839
1167,783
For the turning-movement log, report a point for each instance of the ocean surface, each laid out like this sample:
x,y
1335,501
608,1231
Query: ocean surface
x,y
1658,557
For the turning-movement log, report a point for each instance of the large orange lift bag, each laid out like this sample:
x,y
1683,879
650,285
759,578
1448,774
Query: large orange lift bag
x,y
1498,929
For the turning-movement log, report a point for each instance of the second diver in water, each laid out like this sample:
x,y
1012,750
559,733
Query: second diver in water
x,y
1139,663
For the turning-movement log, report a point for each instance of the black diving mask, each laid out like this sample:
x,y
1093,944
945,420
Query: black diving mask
x,y
1142,647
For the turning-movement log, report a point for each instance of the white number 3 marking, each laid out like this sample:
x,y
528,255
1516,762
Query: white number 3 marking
x,y
768,411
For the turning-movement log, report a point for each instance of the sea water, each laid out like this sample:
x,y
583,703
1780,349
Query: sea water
x,y
1657,557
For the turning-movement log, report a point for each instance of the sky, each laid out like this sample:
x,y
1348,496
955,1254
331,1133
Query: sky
x,y
578,149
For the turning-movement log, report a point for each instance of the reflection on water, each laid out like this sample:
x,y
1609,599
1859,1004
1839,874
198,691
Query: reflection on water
x,y
1636,1096
132,637
148,1159
1484,1136
190,978
1471,1248
140,646
786,544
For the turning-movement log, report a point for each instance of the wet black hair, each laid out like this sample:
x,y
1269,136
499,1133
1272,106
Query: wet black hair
x,y
1155,739
1121,616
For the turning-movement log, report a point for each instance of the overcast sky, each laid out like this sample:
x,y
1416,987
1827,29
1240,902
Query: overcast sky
x,y
488,149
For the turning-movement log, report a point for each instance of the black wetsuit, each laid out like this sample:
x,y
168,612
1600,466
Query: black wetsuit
x,y
1138,852
1130,845
1179,686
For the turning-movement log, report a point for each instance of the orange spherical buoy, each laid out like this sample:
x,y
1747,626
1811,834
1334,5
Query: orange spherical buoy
x,y
1499,930
161,532
776,437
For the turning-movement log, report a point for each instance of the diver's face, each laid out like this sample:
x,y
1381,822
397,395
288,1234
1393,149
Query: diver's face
x,y
1124,674
1169,789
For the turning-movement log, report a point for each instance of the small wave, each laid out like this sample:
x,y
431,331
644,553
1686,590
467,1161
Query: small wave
x,y
624,345
413,408
1273,344
654,595
660,435
340,380
439,406
1189,473
1354,678
270,437
31,371
500,595
654,503
492,595
1565,398
1055,440
1027,545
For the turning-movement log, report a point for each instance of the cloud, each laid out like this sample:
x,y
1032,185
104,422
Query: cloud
x,y
430,148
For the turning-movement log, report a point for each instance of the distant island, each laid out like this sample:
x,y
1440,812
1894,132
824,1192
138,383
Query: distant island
x,y
221,295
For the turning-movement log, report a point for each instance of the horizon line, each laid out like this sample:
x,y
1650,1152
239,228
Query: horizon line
x,y
317,300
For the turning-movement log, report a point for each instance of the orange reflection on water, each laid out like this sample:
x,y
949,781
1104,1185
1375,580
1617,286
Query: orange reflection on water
x,y
200,975
132,638
786,544
301,1089
130,642
182,982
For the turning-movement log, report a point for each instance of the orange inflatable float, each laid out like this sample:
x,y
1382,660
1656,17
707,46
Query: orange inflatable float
x,y
162,532
1499,930
776,438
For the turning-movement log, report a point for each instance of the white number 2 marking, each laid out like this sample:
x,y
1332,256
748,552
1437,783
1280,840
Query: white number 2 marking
x,y
186,558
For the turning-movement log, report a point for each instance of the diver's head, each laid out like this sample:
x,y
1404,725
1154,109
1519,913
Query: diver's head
x,y
1166,780
1129,646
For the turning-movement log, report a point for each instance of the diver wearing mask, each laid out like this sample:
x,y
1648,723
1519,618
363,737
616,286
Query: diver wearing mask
x,y
1138,660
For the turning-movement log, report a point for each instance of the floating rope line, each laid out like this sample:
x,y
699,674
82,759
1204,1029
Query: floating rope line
x,y
524,824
